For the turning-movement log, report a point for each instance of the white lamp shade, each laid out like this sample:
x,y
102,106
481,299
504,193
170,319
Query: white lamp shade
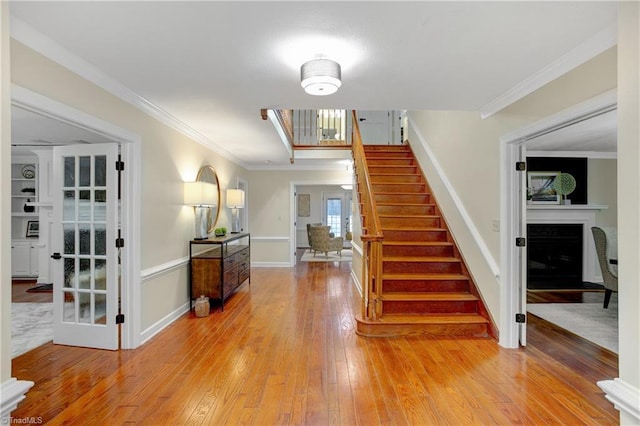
x,y
235,198
320,77
200,194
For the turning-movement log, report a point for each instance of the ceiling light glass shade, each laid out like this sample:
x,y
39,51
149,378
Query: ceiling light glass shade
x,y
235,198
320,77
200,194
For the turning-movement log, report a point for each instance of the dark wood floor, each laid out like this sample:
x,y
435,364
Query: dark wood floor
x,y
285,352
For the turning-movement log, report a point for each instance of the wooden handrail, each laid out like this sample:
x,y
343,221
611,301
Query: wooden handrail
x,y
372,235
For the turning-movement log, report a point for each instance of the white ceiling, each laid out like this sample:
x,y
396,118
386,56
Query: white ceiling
x,y
214,65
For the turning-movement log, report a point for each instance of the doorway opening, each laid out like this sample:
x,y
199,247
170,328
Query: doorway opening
x,y
60,116
514,147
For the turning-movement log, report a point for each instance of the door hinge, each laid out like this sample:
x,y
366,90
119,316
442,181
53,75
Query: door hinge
x,y
119,242
120,165
521,242
521,166
120,319
521,318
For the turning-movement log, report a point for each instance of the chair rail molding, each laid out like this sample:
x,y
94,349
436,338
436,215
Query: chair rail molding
x,y
163,268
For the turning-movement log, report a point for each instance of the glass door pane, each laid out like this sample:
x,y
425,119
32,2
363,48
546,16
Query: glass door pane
x,y
334,215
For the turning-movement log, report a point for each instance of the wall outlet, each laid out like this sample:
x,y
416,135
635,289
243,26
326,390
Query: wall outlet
x,y
495,225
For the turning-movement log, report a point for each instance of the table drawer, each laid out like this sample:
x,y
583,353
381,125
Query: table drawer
x,y
231,261
243,275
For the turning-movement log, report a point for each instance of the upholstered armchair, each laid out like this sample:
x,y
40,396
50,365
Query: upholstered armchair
x,y
322,241
309,225
606,240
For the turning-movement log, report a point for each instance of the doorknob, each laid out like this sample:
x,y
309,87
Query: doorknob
x,y
56,256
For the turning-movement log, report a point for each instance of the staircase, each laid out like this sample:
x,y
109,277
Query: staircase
x,y
425,285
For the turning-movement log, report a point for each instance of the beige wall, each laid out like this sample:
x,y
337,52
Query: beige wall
x,y
5,200
271,210
168,159
467,149
602,189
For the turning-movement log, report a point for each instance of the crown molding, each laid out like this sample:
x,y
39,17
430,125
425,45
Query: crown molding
x,y
30,37
592,47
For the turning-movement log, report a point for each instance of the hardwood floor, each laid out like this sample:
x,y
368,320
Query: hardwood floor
x,y
285,352
19,293
559,296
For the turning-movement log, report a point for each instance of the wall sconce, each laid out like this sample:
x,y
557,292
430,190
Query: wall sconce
x,y
202,196
235,201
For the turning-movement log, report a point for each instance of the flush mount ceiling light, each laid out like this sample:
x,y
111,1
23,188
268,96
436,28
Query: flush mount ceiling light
x,y
320,77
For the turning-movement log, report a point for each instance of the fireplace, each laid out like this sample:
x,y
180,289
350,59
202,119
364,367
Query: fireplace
x,y
554,256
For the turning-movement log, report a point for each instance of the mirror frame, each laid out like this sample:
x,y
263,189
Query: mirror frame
x,y
212,212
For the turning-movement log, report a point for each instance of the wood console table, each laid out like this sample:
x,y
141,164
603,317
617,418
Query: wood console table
x,y
218,268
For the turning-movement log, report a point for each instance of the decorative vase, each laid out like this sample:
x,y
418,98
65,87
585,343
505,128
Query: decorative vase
x,y
28,209
202,306
566,202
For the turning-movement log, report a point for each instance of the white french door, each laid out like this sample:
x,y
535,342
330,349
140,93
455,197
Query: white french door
x,y
84,230
521,220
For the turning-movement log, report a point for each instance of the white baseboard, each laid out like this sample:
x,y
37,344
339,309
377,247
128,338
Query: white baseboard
x,y
12,392
356,282
624,397
156,328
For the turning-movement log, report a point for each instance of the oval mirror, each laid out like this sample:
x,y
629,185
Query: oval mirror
x,y
208,174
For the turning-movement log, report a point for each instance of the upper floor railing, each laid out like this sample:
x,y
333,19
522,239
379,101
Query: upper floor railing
x,y
333,128
321,127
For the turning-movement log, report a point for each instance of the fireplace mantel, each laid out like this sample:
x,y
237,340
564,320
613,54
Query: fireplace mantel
x,y
584,214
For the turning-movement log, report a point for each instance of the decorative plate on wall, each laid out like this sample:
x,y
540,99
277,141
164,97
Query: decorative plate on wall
x,y
28,171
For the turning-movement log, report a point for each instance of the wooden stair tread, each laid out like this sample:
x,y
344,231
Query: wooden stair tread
x,y
422,276
395,228
395,204
420,216
428,297
430,319
420,259
401,193
418,243
395,174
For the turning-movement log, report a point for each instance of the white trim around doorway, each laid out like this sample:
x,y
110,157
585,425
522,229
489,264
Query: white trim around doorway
x,y
510,207
130,145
